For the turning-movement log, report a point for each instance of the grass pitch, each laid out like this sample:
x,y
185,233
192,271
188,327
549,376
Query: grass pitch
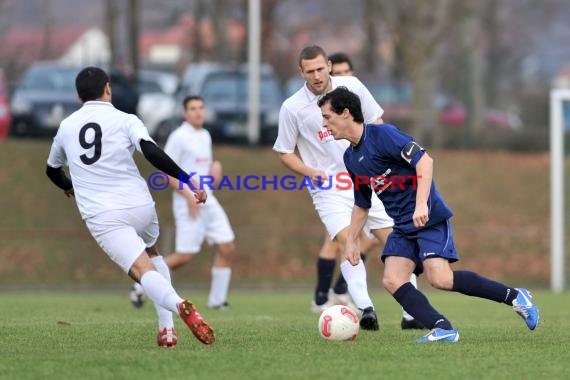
x,y
273,336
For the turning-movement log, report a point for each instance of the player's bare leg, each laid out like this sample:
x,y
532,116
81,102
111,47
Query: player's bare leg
x,y
178,259
374,247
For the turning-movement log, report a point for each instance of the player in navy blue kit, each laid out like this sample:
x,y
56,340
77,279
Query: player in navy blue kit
x,y
383,160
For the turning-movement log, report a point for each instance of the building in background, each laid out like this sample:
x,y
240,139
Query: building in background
x,y
90,48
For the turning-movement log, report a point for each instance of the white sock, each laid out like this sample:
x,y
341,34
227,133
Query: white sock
x,y
160,291
138,288
355,277
164,315
413,281
219,287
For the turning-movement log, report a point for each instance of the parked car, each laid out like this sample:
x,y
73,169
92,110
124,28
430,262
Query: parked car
x,y
46,95
157,102
169,116
454,114
150,81
4,107
225,90
125,93
396,98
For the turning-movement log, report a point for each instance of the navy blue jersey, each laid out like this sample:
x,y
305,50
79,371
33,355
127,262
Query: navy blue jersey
x,y
384,162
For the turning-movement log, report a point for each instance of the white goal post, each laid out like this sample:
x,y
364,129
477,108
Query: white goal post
x,y
557,209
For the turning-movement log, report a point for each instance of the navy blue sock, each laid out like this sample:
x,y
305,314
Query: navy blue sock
x,y
325,271
472,284
341,287
418,306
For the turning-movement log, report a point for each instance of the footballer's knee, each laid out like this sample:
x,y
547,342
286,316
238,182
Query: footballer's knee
x,y
441,279
178,259
381,234
140,266
439,273
392,282
224,253
152,251
330,250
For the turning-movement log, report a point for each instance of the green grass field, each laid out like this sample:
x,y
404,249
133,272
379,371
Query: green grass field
x,y
274,336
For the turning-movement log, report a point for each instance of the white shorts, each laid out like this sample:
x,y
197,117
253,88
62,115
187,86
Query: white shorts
x,y
335,210
125,234
211,224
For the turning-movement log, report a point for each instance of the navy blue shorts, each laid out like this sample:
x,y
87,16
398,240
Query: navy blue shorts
x,y
432,241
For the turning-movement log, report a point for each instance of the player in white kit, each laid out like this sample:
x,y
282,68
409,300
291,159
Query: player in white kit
x,y
300,127
97,143
190,146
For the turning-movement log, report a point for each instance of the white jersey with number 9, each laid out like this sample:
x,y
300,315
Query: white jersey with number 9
x,y
97,143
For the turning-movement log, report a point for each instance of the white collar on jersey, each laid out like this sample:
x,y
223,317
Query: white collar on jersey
x,y
97,102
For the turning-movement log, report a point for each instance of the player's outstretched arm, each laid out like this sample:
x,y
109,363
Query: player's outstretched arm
x,y
60,179
163,162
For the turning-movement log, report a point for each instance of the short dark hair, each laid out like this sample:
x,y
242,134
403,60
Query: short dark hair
x,y
341,98
90,83
311,52
190,98
340,58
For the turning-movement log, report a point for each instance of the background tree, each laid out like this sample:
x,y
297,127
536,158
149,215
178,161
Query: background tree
x,y
418,29
218,14
46,49
268,8
110,21
371,10
198,14
134,32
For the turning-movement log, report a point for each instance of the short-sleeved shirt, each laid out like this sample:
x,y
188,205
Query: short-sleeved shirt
x,y
97,143
301,126
191,149
385,156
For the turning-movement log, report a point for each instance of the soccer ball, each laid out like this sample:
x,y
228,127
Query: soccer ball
x,y
339,322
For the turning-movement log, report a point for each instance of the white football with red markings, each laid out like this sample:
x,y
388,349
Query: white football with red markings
x,y
339,322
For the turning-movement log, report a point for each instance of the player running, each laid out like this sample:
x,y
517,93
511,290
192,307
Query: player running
x,y
97,143
385,163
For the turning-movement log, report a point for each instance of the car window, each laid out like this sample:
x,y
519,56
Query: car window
x,y
234,88
148,86
50,79
222,88
390,93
